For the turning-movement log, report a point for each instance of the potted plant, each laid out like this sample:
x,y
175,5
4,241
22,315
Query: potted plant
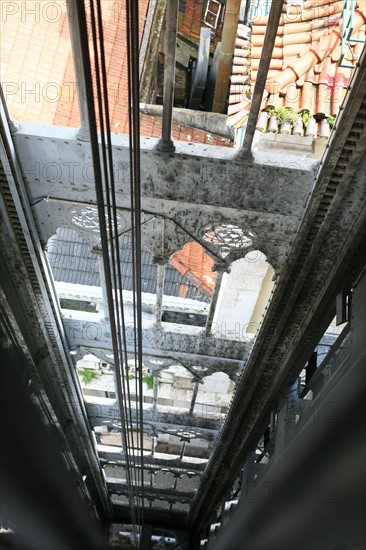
x,y
148,379
306,116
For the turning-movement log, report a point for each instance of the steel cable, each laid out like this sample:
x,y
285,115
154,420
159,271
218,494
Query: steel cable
x,y
132,11
116,261
98,182
105,193
133,249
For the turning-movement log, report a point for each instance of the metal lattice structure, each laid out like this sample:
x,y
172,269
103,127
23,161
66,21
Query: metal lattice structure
x,y
161,446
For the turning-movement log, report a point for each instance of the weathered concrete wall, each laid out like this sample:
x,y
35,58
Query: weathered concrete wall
x,y
181,193
175,385
191,350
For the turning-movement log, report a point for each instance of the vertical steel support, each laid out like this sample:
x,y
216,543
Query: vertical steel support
x,y
12,126
194,395
213,304
166,143
269,41
226,55
159,295
225,513
248,473
76,46
145,542
103,284
286,420
155,392
153,442
182,449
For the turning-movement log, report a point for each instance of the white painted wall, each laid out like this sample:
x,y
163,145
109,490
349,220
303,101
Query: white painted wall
x,y
175,384
241,290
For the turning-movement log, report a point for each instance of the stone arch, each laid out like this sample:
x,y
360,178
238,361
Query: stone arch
x,y
215,394
217,378
228,240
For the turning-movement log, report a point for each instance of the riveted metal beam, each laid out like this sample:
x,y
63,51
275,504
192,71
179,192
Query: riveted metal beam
x,y
327,248
101,414
27,280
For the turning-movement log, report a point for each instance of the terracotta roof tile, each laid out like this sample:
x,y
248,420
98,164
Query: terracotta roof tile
x,y
45,53
192,262
46,57
304,72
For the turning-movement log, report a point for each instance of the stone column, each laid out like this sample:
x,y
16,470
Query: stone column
x,y
76,46
104,309
159,295
166,143
213,304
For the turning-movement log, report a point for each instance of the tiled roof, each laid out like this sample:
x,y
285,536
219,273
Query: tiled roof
x,y
151,127
304,74
196,265
114,31
36,57
38,75
72,261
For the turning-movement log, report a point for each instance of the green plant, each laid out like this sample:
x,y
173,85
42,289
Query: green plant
x,y
281,114
129,377
149,381
291,115
87,375
306,117
331,120
271,110
286,114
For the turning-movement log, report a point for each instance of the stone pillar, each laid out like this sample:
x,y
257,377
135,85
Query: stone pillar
x,y
226,55
159,295
213,304
76,47
260,83
194,395
104,308
155,391
166,143
145,541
